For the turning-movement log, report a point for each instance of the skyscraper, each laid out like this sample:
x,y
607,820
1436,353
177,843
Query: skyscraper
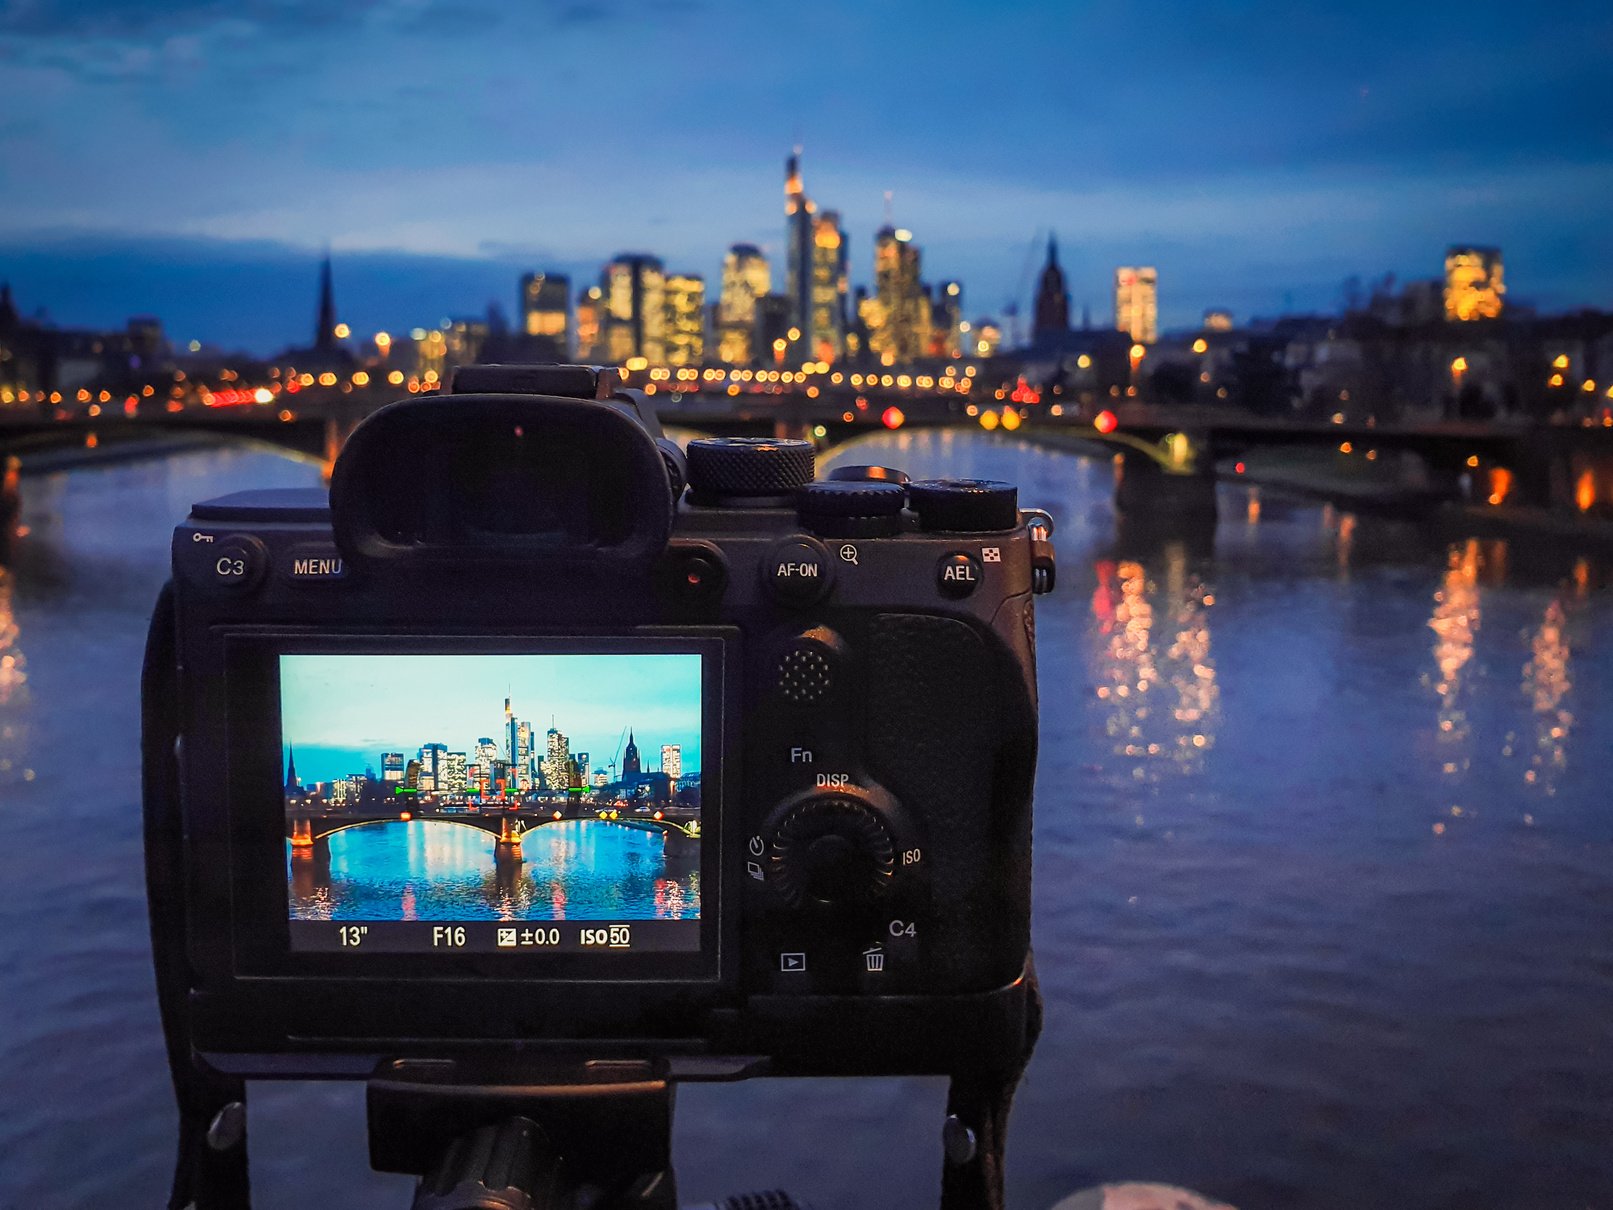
x,y
745,279
546,311
433,758
1052,299
672,760
946,321
1137,303
898,315
815,271
1473,285
824,337
634,287
523,755
451,778
685,319
590,324
555,764
392,766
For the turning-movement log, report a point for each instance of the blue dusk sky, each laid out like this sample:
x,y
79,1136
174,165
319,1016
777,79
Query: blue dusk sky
x,y
192,159
340,712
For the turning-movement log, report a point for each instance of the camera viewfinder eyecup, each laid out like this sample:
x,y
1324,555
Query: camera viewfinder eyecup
x,y
542,467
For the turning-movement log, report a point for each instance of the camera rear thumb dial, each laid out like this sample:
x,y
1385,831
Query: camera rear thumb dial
x,y
832,852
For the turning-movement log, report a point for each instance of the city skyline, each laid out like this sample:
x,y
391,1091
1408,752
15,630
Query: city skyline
x,y
340,713
1265,155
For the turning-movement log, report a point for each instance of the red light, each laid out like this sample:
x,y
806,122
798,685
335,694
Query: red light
x,y
1106,421
892,418
1238,468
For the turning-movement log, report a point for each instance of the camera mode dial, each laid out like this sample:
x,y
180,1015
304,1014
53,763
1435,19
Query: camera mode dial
x,y
964,506
832,851
757,472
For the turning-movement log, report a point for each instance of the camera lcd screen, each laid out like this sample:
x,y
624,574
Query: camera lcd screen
x,y
492,803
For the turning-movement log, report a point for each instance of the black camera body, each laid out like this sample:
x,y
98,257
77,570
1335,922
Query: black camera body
x,y
381,861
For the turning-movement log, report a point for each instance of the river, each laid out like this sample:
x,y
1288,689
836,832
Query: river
x,y
1324,874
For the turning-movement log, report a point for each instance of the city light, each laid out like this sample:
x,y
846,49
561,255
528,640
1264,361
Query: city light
x,y
1106,422
343,331
892,417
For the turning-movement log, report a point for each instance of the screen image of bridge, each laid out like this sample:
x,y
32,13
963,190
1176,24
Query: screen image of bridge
x,y
492,787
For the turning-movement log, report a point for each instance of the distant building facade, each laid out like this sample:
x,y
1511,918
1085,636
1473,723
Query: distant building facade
x,y
1473,284
1137,303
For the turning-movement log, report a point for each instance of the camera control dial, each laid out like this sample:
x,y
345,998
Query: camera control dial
x,y
748,471
832,851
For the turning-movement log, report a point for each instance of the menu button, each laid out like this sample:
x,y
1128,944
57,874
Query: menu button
x,y
314,565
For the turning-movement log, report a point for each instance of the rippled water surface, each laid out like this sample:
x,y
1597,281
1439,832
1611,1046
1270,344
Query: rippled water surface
x,y
1324,875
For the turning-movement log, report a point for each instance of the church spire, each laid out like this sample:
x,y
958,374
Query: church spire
x,y
325,333
1052,299
293,786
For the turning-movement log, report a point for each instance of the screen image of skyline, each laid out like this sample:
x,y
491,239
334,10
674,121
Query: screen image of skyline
x,y
340,712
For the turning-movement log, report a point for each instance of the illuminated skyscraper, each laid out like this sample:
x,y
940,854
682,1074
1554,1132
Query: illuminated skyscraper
x,y
685,319
555,764
452,778
635,309
523,755
546,311
814,272
824,337
590,324
946,321
745,279
898,315
1052,299
486,756
1137,303
432,759
672,760
392,766
1473,286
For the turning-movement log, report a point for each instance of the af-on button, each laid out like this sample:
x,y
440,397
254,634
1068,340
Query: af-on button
x,y
797,571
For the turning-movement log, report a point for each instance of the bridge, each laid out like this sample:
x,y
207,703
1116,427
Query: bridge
x,y
1170,456
306,829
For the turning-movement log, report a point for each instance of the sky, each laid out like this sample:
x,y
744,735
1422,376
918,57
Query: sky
x,y
340,712
194,158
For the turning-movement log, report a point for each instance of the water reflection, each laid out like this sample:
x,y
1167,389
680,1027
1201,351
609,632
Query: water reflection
x,y
1546,683
1153,664
13,691
431,870
1455,623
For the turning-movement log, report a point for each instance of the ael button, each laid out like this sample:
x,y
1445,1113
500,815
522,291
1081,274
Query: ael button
x,y
797,571
235,563
957,575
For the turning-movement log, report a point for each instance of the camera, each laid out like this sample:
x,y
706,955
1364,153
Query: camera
x,y
540,744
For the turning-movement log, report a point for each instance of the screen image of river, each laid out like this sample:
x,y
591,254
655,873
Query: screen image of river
x,y
425,870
